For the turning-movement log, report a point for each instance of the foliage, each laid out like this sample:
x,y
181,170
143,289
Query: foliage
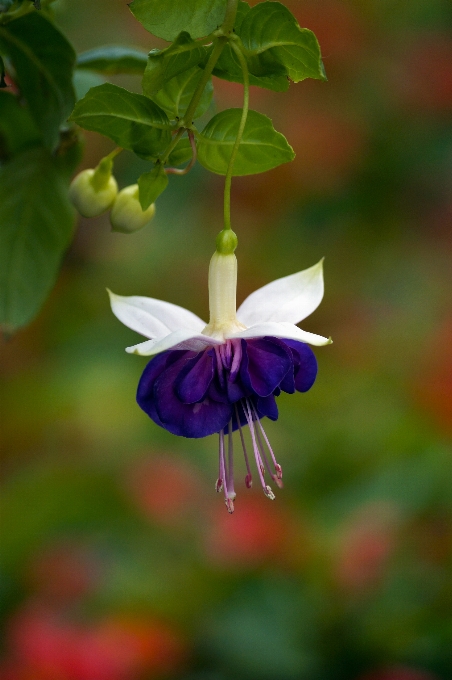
x,y
205,37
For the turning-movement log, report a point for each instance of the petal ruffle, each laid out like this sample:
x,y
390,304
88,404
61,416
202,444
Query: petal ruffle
x,y
265,362
305,364
290,299
282,330
187,420
153,318
194,380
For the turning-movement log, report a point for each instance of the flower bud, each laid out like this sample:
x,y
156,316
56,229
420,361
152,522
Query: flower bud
x,y
127,215
91,197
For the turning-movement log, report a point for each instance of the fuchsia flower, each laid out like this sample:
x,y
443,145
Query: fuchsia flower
x,y
217,378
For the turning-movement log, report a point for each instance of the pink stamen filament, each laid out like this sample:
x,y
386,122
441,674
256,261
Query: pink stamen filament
x,y
224,475
231,492
267,490
278,468
249,477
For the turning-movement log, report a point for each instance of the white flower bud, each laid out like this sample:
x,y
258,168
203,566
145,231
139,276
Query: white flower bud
x,y
126,214
90,201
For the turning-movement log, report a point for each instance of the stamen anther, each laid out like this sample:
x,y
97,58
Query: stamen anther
x,y
219,485
269,493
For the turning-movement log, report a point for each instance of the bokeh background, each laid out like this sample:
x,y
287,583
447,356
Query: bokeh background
x,y
119,561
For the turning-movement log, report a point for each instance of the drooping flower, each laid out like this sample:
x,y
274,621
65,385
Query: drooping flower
x,y
217,378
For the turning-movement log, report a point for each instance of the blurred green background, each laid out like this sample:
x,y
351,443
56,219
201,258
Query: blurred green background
x,y
119,561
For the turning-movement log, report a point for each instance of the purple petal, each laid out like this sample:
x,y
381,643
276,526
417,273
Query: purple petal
x,y
265,362
145,391
266,406
195,378
187,420
305,365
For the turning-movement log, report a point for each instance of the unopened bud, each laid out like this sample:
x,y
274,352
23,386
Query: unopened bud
x,y
127,215
88,197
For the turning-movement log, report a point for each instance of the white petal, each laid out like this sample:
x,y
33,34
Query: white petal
x,y
153,318
282,330
289,299
177,340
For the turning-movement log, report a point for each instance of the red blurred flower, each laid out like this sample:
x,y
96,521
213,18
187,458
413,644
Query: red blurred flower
x,y
258,533
366,544
433,389
64,571
164,487
423,79
49,647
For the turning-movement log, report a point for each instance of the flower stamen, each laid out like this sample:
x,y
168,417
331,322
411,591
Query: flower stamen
x,y
260,466
277,477
248,478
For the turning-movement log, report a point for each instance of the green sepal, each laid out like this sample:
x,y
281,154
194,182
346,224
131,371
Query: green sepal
x,y
167,18
37,224
176,94
112,59
261,148
151,185
163,65
43,61
131,120
226,242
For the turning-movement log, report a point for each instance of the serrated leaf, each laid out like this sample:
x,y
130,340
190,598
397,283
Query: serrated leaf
x,y
37,223
18,131
182,153
112,59
275,48
176,94
131,120
151,185
43,61
167,18
163,65
261,148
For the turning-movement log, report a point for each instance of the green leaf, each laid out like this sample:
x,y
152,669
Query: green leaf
x,y
151,185
43,61
176,94
163,65
275,48
228,67
167,18
112,59
274,41
182,153
131,120
261,148
37,223
18,130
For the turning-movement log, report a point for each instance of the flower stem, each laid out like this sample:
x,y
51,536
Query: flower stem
x,y
218,45
246,101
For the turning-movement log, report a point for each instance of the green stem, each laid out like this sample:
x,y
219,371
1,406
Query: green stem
x,y
174,141
214,56
225,29
235,148
229,17
218,45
